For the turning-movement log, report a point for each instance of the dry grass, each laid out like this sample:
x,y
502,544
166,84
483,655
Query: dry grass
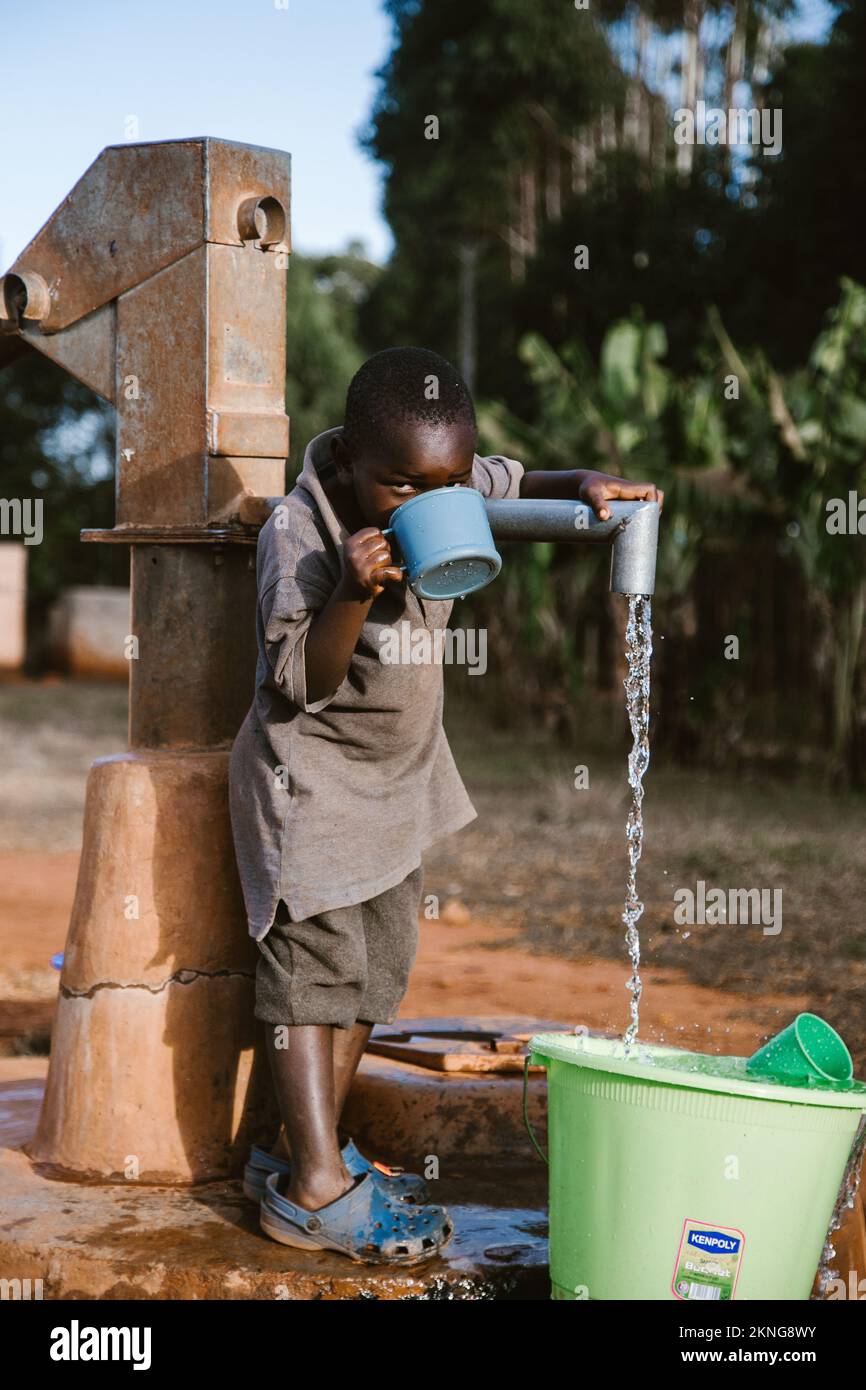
x,y
552,860
50,733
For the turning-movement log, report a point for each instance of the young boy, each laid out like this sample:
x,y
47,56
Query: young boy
x,y
341,776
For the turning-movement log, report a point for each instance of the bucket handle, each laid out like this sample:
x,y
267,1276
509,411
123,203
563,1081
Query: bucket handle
x,y
526,1120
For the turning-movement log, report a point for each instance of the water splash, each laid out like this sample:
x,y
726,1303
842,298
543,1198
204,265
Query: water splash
x,y
844,1202
638,648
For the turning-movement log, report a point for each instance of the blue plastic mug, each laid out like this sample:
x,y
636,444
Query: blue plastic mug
x,y
446,542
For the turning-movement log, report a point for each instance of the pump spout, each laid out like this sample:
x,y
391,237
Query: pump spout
x,y
631,531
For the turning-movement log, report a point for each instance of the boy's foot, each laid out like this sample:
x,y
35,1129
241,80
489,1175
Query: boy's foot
x,y
407,1187
319,1195
364,1223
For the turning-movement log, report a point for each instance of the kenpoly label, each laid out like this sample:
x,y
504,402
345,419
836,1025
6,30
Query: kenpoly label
x,y
708,1261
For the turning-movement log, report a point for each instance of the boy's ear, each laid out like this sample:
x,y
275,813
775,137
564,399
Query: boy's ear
x,y
342,458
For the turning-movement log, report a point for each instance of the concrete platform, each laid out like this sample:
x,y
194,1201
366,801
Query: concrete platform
x,y
405,1113
130,1241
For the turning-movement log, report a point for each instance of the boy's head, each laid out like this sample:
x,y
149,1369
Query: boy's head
x,y
409,427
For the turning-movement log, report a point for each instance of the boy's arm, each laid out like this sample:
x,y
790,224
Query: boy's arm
x,y
311,628
587,486
333,635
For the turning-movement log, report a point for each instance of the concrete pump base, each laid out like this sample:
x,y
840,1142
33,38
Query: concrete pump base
x,y
157,1067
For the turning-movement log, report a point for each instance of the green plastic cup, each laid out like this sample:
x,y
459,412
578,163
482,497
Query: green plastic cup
x,y
808,1047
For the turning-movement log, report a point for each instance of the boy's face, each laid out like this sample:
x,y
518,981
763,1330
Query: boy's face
x,y
414,458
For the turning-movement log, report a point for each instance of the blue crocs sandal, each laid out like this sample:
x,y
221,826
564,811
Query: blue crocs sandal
x,y
407,1187
365,1224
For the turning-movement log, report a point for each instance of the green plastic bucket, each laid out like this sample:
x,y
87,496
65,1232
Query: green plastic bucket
x,y
677,1175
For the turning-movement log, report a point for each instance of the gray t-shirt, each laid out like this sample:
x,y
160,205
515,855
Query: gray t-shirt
x,y
334,801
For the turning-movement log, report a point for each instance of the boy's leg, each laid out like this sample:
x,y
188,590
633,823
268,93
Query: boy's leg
x,y
349,1045
303,1076
391,942
313,970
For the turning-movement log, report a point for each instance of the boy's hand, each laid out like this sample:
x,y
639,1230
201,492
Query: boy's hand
x,y
597,488
368,562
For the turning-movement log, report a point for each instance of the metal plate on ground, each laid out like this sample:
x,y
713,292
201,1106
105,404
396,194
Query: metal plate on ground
x,y
472,1044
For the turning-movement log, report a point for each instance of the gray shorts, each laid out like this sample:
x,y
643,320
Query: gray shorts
x,y
340,967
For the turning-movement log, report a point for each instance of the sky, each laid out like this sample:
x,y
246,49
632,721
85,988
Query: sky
x,y
298,78
296,75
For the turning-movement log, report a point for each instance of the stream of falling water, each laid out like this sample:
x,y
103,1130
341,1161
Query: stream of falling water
x,y
638,648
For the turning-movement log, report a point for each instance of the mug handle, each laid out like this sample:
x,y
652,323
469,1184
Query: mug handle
x,y
389,531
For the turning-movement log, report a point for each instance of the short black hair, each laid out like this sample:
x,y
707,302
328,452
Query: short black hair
x,y
395,386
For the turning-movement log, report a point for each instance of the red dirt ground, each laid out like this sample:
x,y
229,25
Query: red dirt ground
x,y
474,968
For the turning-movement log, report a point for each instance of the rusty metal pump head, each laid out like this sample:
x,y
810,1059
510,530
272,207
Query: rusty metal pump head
x,y
159,282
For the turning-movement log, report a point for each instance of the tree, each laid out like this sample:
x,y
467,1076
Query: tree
x,y
475,111
802,441
56,447
322,352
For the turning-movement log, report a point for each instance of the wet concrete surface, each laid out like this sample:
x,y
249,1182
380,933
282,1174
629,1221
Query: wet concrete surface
x,y
127,1241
